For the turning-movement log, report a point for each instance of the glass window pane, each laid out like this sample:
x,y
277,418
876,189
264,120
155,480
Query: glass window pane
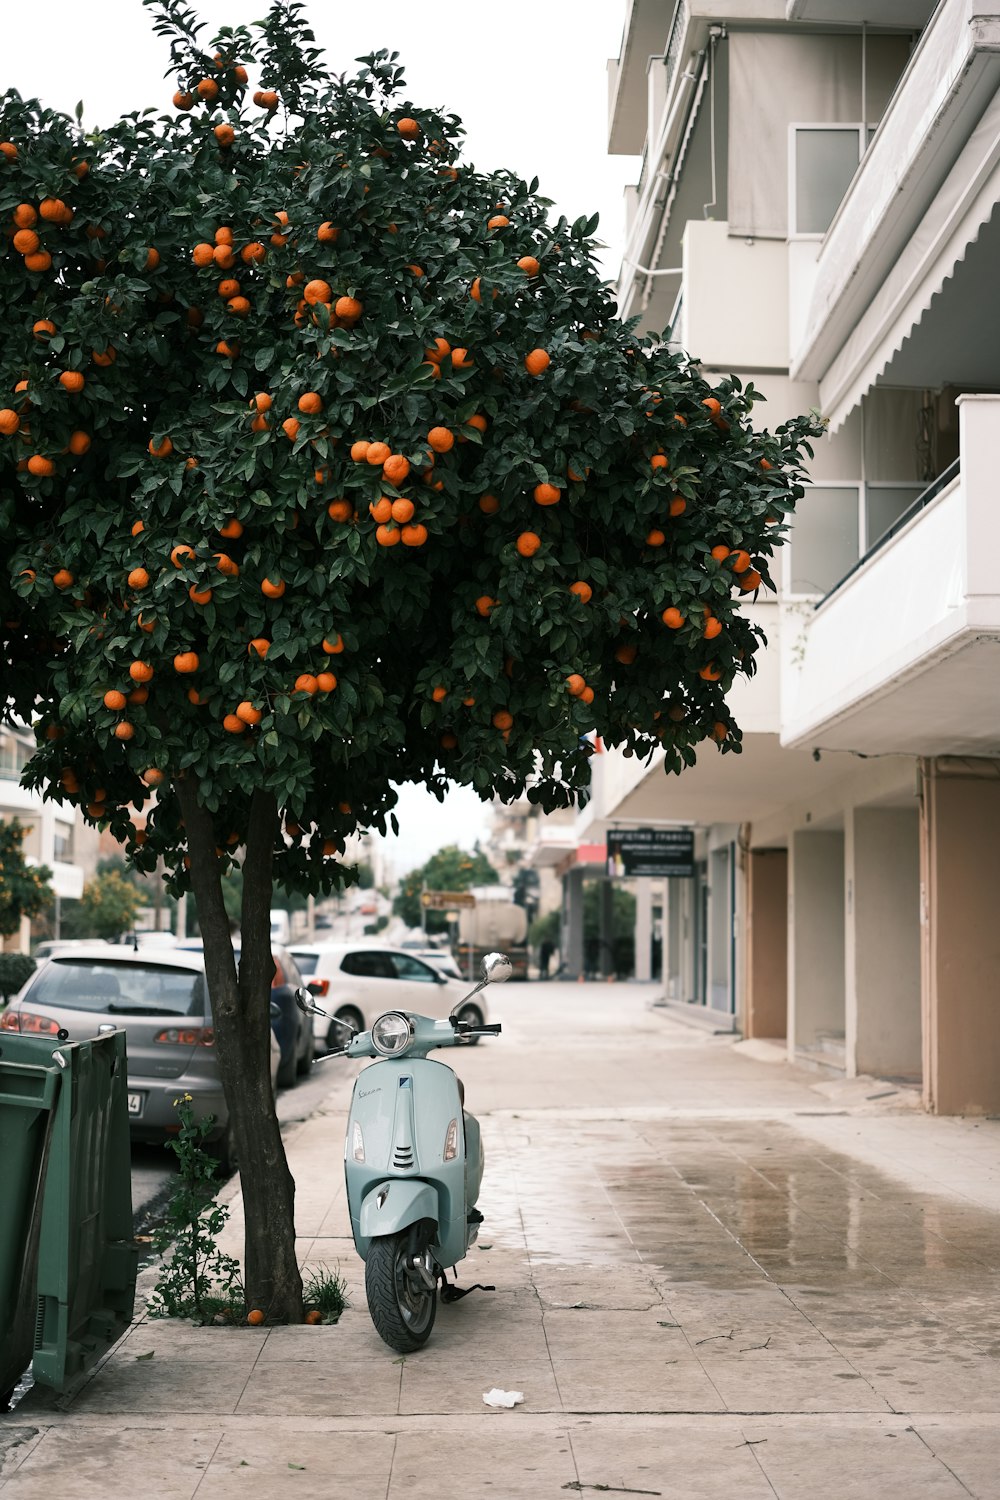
x,y
886,503
824,538
825,162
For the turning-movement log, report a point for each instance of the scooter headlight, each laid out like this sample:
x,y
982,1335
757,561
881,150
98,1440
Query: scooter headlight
x,y
392,1033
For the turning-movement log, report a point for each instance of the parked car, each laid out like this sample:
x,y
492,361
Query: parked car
x,y
292,1029
357,982
160,1000
440,958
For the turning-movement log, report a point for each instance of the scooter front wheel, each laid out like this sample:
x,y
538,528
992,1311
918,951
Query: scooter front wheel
x,y
401,1304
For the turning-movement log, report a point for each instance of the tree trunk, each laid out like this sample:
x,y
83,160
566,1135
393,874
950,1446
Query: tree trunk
x,y
242,1022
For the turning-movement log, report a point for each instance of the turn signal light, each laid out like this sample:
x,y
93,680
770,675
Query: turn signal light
x,y
451,1141
186,1036
319,987
357,1143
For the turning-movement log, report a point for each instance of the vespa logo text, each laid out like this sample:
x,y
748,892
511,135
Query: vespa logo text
x,y
367,1093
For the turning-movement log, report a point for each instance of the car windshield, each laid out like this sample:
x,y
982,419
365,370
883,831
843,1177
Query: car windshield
x,y
305,961
119,988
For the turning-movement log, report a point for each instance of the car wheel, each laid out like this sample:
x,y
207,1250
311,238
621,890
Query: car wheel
x,y
345,1019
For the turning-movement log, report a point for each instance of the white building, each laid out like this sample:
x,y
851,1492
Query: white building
x,y
816,213
56,834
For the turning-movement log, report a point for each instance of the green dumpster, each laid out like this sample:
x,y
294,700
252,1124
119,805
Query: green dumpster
x,y
67,1254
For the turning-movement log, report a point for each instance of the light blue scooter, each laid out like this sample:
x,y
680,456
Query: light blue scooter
x,y
413,1161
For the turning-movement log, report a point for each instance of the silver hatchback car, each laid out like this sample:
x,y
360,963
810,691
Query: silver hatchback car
x,y
160,998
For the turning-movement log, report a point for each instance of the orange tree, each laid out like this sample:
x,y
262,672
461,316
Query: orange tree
x,y
325,465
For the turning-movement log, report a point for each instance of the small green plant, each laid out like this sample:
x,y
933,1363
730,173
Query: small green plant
x,y
324,1291
15,969
199,1280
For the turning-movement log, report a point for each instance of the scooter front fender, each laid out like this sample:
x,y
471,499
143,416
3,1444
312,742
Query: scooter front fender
x,y
394,1204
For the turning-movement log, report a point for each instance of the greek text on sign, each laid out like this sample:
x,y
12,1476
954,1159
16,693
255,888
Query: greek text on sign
x,y
651,851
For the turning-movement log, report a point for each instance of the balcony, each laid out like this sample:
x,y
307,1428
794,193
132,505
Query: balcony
x,y
734,314
923,193
904,655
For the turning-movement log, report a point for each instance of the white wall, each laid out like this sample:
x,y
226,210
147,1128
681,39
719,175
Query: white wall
x,y
735,309
815,939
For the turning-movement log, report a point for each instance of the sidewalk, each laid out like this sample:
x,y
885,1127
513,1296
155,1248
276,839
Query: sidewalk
x,y
748,1280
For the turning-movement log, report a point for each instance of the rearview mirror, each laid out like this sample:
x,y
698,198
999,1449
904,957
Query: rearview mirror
x,y
496,968
305,1002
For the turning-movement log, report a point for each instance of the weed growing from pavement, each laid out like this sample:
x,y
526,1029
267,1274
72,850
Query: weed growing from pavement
x,y
324,1291
198,1281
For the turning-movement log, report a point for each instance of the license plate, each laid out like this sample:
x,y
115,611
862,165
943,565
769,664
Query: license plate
x,y
135,1103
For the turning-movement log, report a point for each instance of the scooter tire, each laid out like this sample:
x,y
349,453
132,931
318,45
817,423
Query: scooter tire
x,y
403,1314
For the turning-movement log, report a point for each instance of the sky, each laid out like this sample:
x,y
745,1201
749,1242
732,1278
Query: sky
x,y
528,79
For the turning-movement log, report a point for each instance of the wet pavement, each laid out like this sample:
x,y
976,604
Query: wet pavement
x,y
716,1276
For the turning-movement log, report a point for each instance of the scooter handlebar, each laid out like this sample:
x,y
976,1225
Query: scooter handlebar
x,y
496,1030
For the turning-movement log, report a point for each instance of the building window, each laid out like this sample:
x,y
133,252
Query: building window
x,y
62,843
14,756
835,526
822,161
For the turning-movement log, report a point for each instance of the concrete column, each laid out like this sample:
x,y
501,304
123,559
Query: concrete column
x,y
720,930
960,877
644,930
766,1012
882,942
673,933
571,942
606,929
816,942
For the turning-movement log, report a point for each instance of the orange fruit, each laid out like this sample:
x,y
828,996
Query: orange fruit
x,y
750,580
9,421
381,510
161,449
325,682
266,99
582,590
484,604
152,259
199,596
328,233
8,150
232,725
79,442
207,88
395,468
314,1315
261,401
439,694
44,327
528,543
139,695
260,646
441,440
310,403
498,221
290,427
180,554
138,527
183,100
54,211
546,494
186,661
25,216
489,505
740,562
238,306
710,673
203,254
656,537
460,360
359,450
253,254
402,510
537,362
659,461
348,309
387,535
306,683
408,128
502,719
39,260
713,627
248,713
340,510
672,618
575,684
124,730
414,535
678,505
104,358
153,776
138,578
587,696
317,291
225,565
63,579
529,265
377,453
231,530
72,381
334,647
114,699
273,589
140,671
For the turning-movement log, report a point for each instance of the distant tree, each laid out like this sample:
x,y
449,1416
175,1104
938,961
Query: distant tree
x,y
15,970
450,869
108,906
548,929
24,888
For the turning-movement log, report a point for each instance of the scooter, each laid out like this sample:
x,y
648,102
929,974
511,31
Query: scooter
x,y
413,1162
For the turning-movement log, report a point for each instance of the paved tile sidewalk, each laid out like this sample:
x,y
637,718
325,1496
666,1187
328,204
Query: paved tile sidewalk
x,y
708,1297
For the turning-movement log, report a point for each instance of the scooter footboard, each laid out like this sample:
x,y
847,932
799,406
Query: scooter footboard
x,y
393,1205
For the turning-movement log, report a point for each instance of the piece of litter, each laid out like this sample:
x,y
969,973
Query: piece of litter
x,y
496,1397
